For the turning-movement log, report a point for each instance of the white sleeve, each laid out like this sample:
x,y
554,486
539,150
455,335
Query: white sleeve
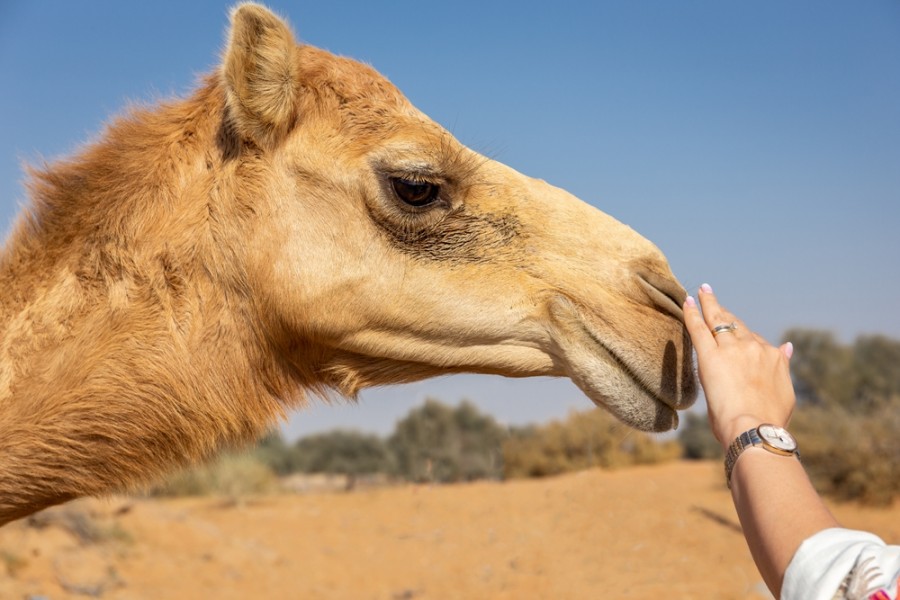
x,y
843,564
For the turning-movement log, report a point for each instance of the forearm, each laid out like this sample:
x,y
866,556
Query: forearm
x,y
747,383
778,509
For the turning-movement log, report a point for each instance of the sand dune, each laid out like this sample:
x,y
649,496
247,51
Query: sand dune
x,y
665,531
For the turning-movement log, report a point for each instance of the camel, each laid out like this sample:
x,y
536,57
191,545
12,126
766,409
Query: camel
x,y
293,229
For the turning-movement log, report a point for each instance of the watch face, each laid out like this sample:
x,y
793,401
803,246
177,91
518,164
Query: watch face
x,y
777,437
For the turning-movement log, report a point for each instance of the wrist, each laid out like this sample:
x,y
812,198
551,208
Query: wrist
x,y
771,438
736,427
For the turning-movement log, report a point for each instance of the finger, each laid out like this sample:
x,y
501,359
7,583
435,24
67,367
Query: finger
x,y
700,334
712,312
716,315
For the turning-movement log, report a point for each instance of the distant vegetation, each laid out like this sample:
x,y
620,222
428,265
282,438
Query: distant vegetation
x,y
438,443
434,443
231,474
847,422
584,440
697,439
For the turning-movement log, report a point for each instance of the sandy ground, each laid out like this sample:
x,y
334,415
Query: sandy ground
x,y
665,531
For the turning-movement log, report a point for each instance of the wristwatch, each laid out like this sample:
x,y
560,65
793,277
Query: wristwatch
x,y
773,438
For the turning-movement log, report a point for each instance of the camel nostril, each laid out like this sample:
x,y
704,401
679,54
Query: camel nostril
x,y
665,294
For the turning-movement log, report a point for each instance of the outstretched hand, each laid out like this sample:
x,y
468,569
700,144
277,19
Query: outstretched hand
x,y
745,379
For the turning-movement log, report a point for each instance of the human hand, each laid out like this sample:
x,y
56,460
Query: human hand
x,y
746,380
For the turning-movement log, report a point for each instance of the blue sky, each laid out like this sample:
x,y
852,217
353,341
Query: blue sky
x,y
757,144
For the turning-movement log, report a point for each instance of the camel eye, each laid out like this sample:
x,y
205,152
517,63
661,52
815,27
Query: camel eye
x,y
415,193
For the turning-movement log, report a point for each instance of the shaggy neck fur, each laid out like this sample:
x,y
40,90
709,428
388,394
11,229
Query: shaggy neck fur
x,y
126,342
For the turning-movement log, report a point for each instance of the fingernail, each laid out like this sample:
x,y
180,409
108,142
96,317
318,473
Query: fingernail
x,y
689,301
706,288
789,349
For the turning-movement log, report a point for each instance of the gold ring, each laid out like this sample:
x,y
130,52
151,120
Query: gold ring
x,y
724,328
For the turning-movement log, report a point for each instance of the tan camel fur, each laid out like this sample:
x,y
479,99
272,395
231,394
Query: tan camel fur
x,y
296,226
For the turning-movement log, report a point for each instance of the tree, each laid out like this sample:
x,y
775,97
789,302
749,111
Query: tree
x,y
438,443
860,377
274,452
697,439
876,360
342,452
821,368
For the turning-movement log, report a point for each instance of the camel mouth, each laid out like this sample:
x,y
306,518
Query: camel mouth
x,y
623,386
666,295
653,412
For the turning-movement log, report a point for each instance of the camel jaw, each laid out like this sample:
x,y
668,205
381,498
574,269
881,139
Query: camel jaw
x,y
634,403
633,389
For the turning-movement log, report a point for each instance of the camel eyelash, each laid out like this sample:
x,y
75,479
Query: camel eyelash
x,y
417,190
418,176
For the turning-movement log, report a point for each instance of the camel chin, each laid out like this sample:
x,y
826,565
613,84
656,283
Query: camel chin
x,y
640,393
615,389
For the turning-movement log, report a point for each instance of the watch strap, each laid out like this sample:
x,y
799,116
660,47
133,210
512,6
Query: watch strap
x,y
749,439
742,442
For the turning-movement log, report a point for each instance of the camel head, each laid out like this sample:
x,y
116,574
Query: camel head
x,y
383,251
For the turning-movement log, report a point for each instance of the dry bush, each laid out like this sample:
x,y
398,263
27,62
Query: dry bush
x,y
851,456
848,413
231,475
584,440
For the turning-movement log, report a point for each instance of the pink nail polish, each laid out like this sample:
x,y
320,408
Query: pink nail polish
x,y
706,288
689,301
789,349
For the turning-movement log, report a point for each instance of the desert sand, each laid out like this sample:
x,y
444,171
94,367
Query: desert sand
x,y
665,531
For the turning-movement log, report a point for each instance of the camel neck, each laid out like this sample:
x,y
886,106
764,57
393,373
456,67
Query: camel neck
x,y
126,349
106,389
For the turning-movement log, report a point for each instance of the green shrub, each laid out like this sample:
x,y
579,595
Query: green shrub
x,y
278,455
860,377
436,442
697,439
341,452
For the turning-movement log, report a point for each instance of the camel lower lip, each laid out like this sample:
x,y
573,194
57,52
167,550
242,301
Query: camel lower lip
x,y
614,383
626,368
658,403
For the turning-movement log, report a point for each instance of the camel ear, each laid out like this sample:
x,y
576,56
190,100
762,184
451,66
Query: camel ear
x,y
261,75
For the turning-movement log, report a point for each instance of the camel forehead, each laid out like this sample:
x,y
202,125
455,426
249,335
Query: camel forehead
x,y
364,98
